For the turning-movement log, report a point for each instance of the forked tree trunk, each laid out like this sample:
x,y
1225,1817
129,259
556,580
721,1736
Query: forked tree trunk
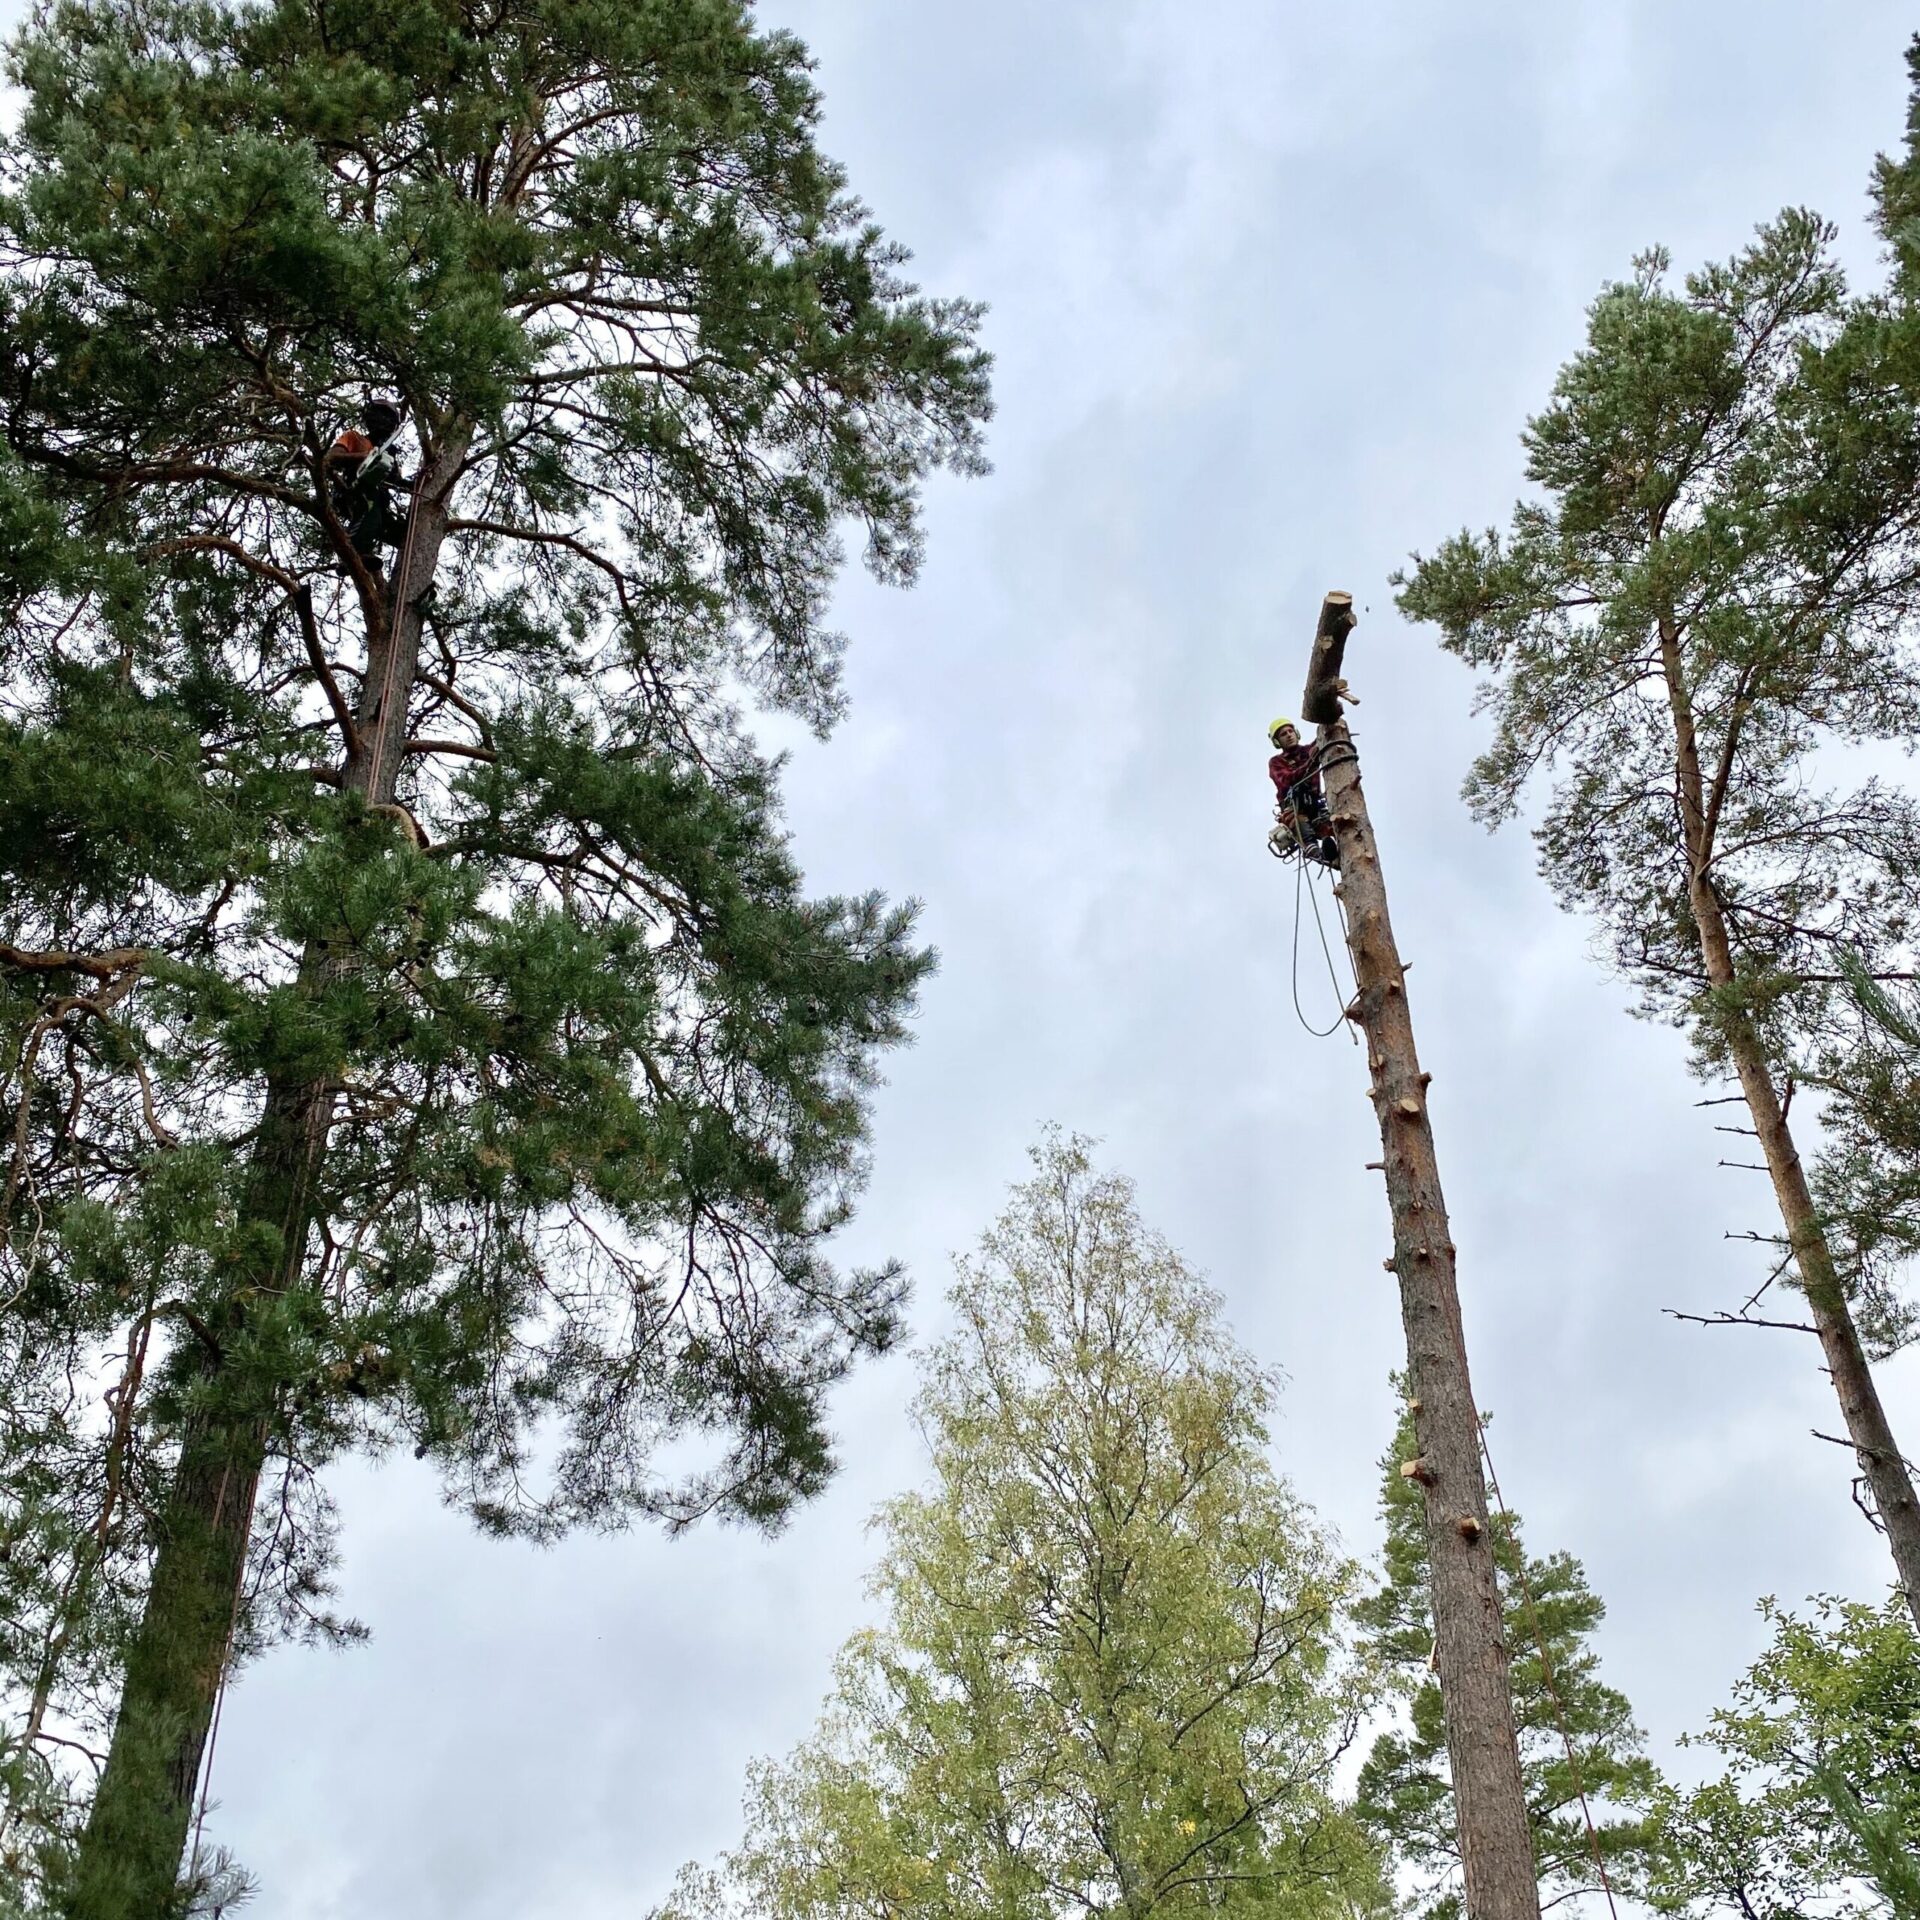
x,y
1496,1844
128,1864
1884,1467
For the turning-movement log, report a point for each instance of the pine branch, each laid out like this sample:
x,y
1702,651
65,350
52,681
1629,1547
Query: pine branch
x,y
1725,1319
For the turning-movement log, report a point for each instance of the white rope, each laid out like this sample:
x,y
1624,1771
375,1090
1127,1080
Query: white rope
x,y
1302,878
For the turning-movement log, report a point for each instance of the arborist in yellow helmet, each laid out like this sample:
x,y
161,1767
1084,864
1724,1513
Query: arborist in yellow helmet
x,y
1302,807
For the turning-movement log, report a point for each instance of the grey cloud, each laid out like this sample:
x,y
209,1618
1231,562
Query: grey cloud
x,y
1272,290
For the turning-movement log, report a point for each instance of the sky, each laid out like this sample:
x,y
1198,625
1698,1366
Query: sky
x,y
1272,289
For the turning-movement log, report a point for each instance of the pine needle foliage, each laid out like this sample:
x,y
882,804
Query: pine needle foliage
x,y
1886,1857
414,1027
1867,1179
1686,554
1711,593
1550,1616
1107,1678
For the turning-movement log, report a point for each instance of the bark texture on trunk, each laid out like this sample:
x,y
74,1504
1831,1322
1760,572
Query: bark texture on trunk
x,y
128,1866
1496,1844
1320,703
1884,1467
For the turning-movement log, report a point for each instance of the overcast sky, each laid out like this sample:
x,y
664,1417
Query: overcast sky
x,y
1273,288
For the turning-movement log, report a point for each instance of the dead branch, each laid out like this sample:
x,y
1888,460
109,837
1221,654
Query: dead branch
x,y
101,966
460,747
1741,1319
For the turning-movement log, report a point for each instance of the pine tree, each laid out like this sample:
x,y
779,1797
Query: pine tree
x,y
1108,1677
417,1029
1861,390
1867,1178
1715,586
1550,1615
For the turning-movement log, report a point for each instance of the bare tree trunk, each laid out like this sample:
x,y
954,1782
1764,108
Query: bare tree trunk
x,y
1888,1477
129,1859
1496,1846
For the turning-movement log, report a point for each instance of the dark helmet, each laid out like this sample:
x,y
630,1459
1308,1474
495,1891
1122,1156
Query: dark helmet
x,y
382,420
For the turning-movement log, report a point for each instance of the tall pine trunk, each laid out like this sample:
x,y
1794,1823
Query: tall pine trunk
x,y
1470,1652
128,1865
1881,1461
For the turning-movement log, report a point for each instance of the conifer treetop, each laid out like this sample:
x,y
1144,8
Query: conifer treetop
x,y
596,1065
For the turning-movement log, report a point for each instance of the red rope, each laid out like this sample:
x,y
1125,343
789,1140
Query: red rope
x,y
220,1685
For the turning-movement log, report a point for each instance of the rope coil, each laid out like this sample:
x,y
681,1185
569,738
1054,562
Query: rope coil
x,y
1300,879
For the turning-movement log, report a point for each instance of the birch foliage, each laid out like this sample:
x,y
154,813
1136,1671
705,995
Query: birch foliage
x,y
1108,1676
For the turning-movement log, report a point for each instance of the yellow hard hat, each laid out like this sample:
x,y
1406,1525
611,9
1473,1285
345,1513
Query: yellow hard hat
x,y
1273,732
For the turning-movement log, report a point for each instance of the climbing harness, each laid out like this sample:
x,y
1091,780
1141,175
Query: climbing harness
x,y
1298,852
363,491
1287,841
379,413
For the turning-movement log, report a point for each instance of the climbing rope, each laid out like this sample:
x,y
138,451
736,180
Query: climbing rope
x,y
1539,1637
1546,1674
397,595
1300,879
205,1780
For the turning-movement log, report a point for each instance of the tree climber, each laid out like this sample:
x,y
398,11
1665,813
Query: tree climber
x,y
1300,806
363,478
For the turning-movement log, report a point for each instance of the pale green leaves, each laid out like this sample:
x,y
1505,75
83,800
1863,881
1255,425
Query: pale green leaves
x,y
1109,1676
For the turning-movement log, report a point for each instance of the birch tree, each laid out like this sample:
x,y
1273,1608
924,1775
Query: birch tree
x,y
1817,1808
1108,1677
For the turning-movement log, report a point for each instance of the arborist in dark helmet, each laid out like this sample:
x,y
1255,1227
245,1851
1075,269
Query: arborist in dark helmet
x,y
364,484
1302,807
